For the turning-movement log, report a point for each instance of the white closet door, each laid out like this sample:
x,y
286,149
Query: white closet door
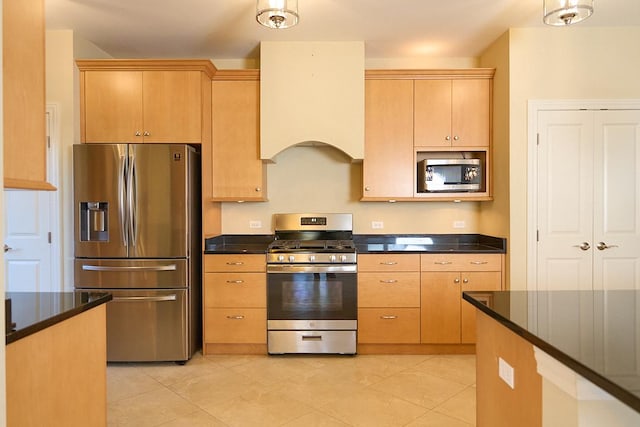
x,y
616,200
565,200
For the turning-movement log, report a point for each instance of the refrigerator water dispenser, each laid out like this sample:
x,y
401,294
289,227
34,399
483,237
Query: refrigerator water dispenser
x,y
94,218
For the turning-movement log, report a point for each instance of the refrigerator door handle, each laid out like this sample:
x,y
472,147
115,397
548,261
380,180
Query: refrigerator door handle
x,y
132,196
142,299
171,267
122,191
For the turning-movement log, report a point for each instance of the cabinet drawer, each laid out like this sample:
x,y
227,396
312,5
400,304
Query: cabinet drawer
x,y
461,262
235,326
388,262
393,289
235,262
235,290
389,325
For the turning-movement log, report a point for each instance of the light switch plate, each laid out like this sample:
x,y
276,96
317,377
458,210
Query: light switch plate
x,y
377,224
505,371
255,223
459,224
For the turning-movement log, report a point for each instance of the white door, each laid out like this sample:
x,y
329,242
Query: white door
x,y
588,180
565,200
28,222
616,231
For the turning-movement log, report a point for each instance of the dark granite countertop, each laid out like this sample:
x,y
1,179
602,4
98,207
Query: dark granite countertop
x,y
594,333
432,243
371,243
34,311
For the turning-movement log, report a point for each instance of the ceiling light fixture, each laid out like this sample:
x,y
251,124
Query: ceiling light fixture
x,y
566,12
277,13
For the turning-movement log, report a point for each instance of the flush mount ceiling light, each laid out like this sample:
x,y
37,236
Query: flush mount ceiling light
x,y
277,13
566,12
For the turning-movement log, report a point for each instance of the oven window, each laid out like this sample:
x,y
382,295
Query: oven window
x,y
312,296
308,294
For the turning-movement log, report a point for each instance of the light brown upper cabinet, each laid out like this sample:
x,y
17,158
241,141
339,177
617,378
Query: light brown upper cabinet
x,y
388,171
452,113
413,115
237,172
161,101
25,140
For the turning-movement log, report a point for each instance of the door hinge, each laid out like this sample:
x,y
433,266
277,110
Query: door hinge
x,y
49,237
537,235
537,139
48,141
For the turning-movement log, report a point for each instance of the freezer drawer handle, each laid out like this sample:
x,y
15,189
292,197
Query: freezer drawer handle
x,y
312,338
171,267
138,299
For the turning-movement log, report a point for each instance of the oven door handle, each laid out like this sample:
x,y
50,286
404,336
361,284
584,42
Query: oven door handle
x,y
312,268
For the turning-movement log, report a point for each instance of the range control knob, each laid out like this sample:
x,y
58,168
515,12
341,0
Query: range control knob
x,y
343,258
291,258
280,258
312,258
332,258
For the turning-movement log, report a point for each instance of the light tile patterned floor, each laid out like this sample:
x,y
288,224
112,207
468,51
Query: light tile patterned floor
x,y
295,391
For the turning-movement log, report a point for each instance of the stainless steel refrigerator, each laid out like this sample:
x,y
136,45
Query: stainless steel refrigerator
x,y
137,235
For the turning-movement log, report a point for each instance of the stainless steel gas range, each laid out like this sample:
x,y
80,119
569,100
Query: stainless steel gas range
x,y
312,285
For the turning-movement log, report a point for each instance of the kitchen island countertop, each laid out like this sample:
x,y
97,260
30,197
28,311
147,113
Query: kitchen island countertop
x,y
34,311
371,243
594,333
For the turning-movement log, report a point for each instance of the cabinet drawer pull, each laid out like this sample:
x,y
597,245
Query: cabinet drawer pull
x,y
389,317
235,282
456,280
388,263
238,317
389,281
235,263
465,280
442,262
478,262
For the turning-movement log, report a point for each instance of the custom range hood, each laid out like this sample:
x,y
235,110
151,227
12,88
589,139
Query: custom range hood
x,y
312,92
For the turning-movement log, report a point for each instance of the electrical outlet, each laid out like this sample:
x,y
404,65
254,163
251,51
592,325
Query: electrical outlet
x,y
377,224
458,224
254,223
505,371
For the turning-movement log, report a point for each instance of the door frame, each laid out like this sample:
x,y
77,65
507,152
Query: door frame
x,y
53,177
534,107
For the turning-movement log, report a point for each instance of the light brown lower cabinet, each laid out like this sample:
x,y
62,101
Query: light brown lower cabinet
x,y
445,317
235,301
58,376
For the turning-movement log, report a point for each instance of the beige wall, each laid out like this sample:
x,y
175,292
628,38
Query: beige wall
x,y
555,64
62,83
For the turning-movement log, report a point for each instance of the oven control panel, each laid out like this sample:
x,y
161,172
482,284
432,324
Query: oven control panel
x,y
311,258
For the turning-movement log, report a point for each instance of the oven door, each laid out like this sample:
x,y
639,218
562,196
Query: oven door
x,y
312,297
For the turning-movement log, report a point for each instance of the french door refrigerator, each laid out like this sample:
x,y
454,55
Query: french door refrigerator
x,y
137,235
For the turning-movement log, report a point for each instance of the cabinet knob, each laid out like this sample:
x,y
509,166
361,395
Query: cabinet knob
x,y
448,138
465,280
138,133
258,189
146,133
456,280
367,188
455,138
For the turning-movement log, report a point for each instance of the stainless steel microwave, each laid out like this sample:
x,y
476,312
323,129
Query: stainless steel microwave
x,y
454,175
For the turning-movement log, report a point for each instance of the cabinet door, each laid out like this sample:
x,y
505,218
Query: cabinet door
x,y
24,95
172,103
470,112
475,281
432,113
112,106
237,170
388,168
440,307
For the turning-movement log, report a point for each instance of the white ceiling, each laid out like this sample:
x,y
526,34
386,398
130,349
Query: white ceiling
x,y
227,29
